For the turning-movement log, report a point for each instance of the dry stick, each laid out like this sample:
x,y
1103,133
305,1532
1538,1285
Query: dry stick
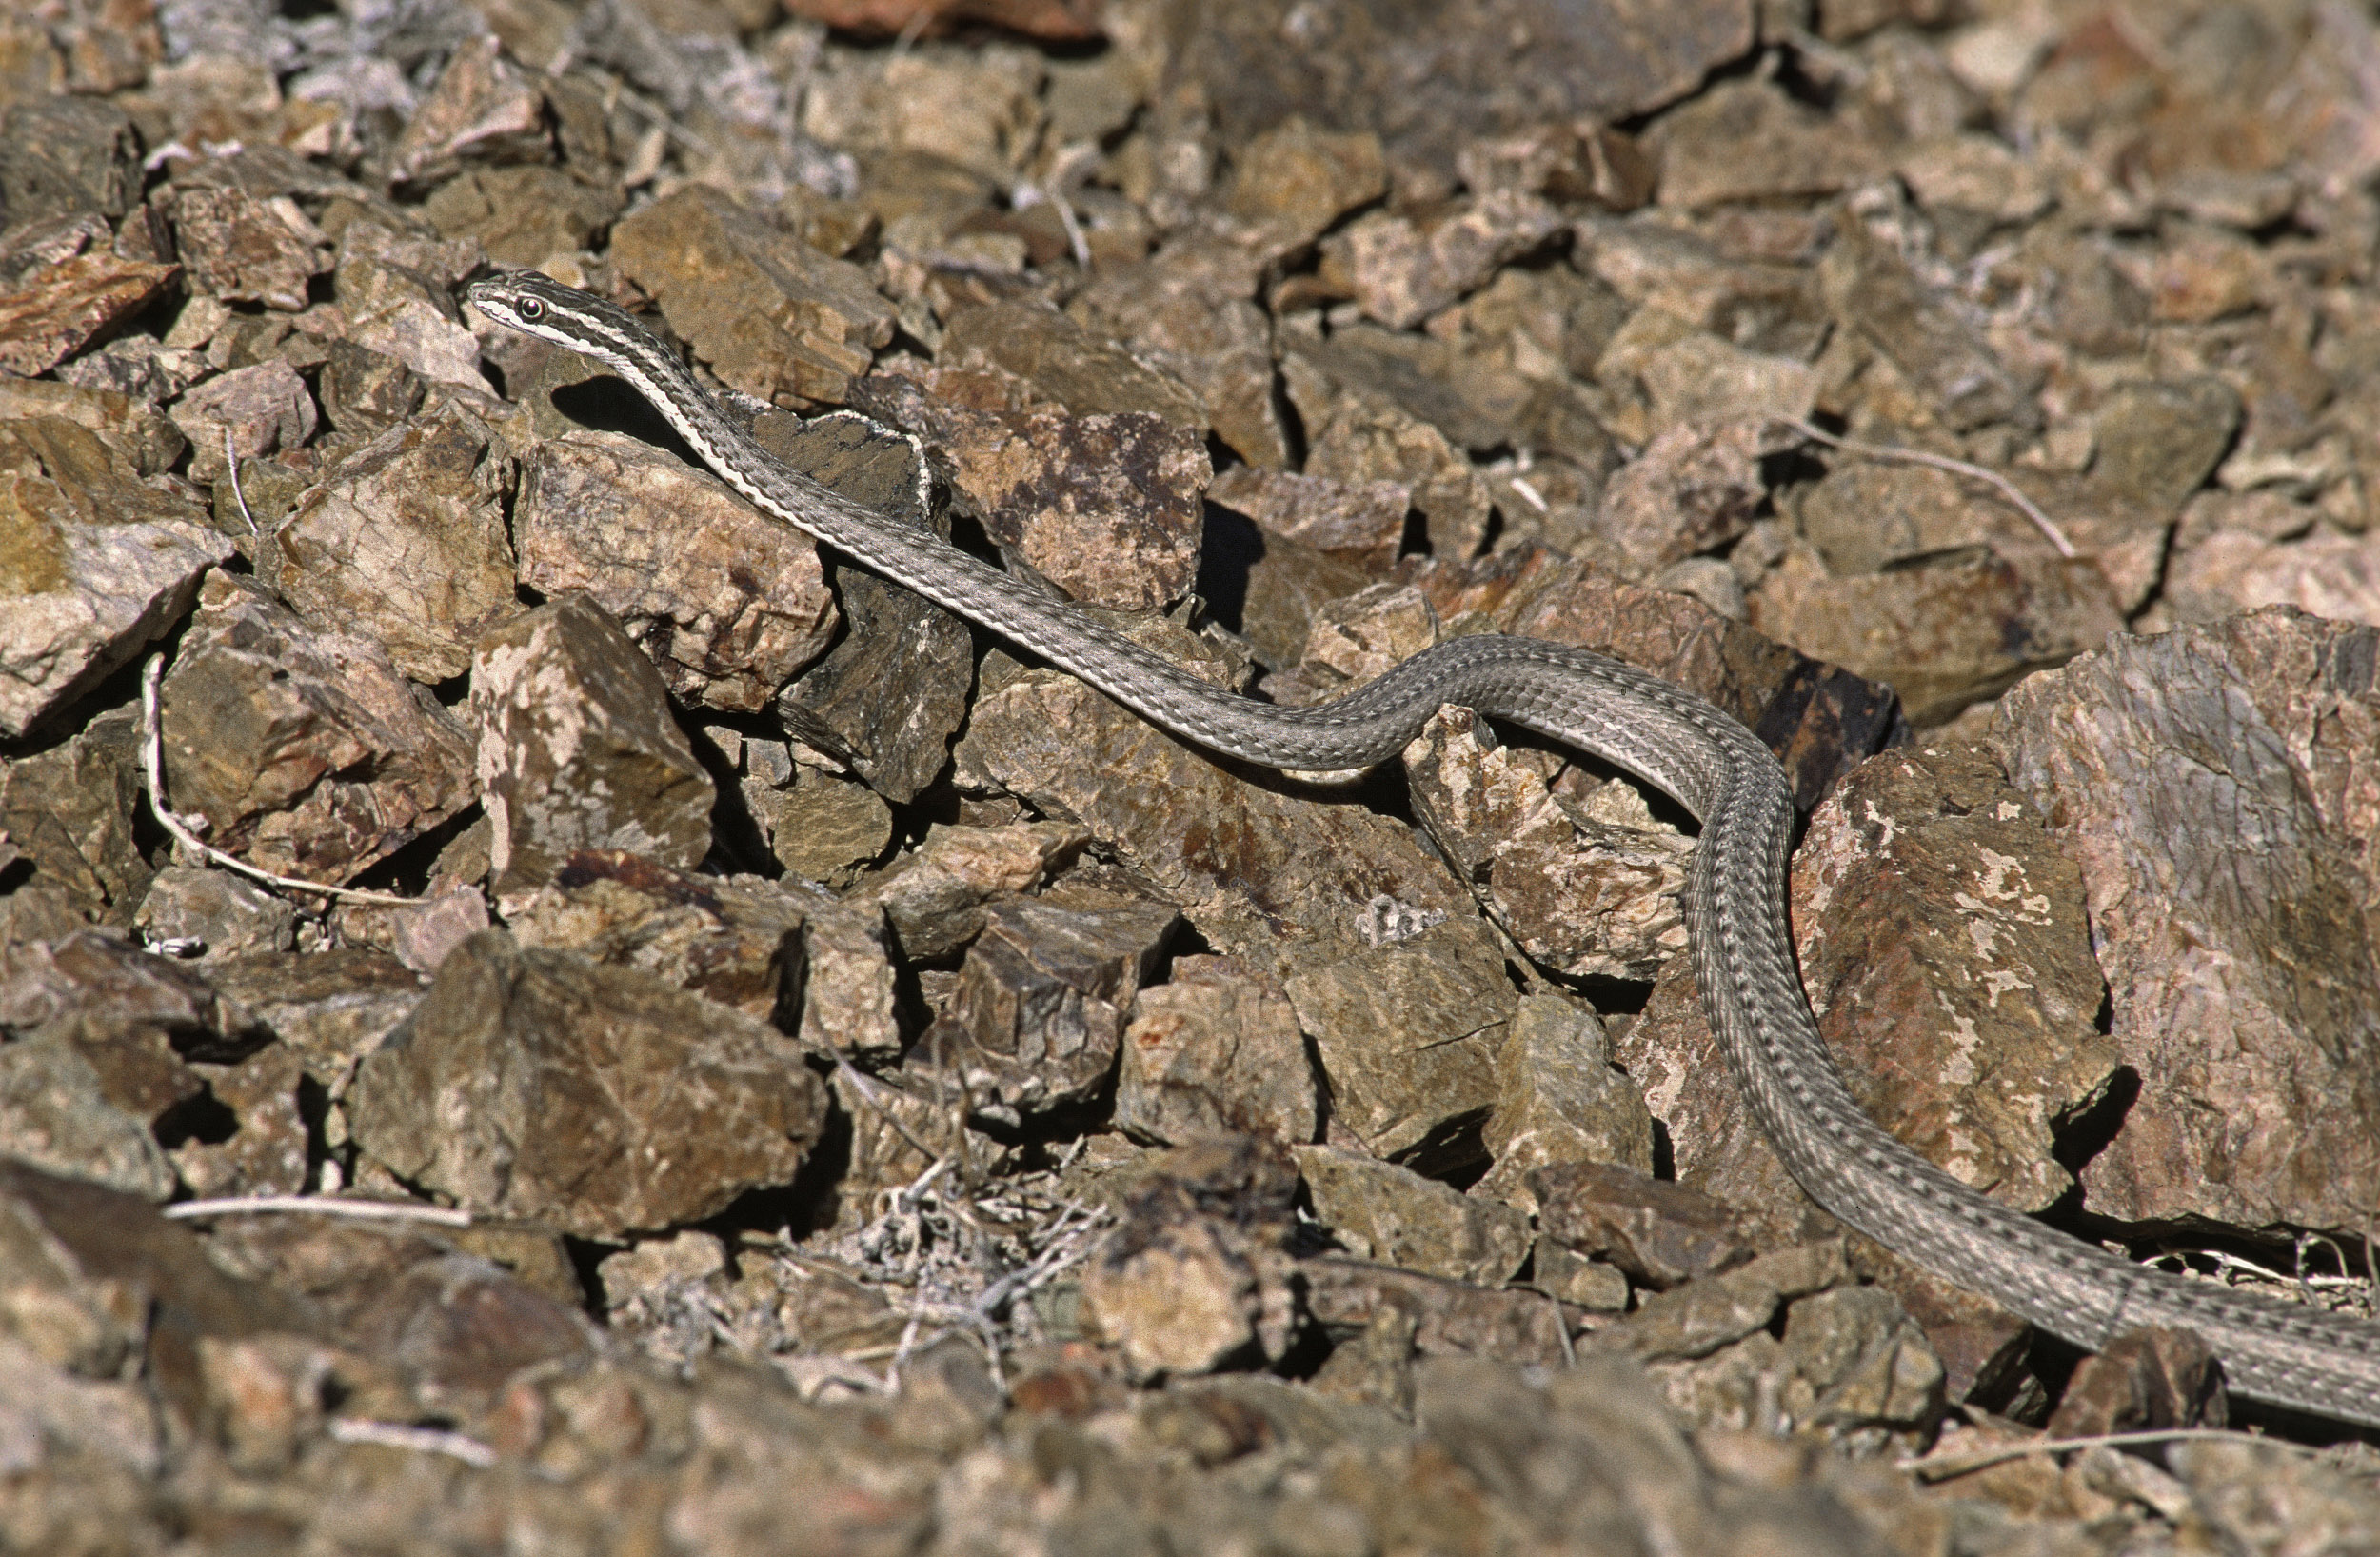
x,y
1938,1467
153,762
231,459
2000,483
349,1430
362,1211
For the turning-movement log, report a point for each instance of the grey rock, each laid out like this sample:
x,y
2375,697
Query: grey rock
x,y
56,1114
265,407
219,912
1932,340
578,749
2160,440
1559,1101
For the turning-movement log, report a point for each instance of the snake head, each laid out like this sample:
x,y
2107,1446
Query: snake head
x,y
538,305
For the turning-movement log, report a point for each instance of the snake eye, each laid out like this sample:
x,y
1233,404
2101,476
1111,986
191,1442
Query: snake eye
x,y
531,309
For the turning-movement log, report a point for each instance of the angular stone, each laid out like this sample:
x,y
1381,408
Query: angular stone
x,y
406,538
396,296
265,407
521,215
935,897
536,1084
1065,364
306,753
1104,506
1945,635
330,1007
69,813
483,108
1559,1100
55,1116
1359,522
1407,1035
1393,1215
1215,1050
2144,1380
820,828
1427,84
54,312
146,441
219,913
1255,867
1700,1317
1036,1017
808,962
64,154
2324,574
243,249
1748,140
1938,349
1700,380
2160,440
728,602
366,393
2214,787
1299,180
84,599
1356,436
1189,309
1401,271
1662,1234
772,317
1954,980
1584,895
887,699
578,749
1426,1316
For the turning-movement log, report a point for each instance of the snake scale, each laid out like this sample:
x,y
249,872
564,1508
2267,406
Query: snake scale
x,y
2275,1351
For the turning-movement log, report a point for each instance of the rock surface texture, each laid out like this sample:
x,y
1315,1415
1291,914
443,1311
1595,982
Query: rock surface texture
x,y
792,1073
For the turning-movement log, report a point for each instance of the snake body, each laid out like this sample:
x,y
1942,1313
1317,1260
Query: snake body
x,y
2275,1351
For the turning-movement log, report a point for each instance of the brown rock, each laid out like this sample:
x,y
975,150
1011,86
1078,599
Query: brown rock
x,y
1299,181
56,1115
1393,1215
1937,349
2239,974
1747,140
56,311
521,215
1053,21
1356,436
1258,868
243,249
123,421
68,813
1585,894
1662,1234
1407,1035
1559,1101
772,317
1036,1017
1188,309
1214,1050
307,753
395,295
887,699
578,749
2143,1381
406,538
1401,271
265,407
1363,523
1954,980
84,599
483,108
728,603
1942,635
1106,508
935,895
1065,364
535,1084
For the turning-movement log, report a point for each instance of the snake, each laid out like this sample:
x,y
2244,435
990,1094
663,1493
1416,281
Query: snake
x,y
2286,1354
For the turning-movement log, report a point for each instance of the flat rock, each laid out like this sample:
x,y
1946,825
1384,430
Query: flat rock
x,y
307,754
1359,435
406,538
264,406
68,813
1407,1034
537,1084
57,1116
772,317
935,896
2214,786
729,603
1393,1215
56,311
1661,1234
578,749
1214,1050
1427,84
244,250
812,964
1559,1100
1584,895
84,599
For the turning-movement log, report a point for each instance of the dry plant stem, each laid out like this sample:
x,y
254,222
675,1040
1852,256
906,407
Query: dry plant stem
x,y
360,1211
2000,483
349,1429
1942,1466
153,766
231,460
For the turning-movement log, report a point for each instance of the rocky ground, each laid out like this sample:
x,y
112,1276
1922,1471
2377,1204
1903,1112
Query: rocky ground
x,y
804,1077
